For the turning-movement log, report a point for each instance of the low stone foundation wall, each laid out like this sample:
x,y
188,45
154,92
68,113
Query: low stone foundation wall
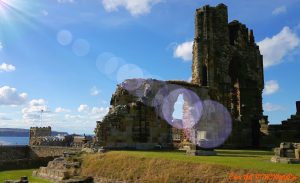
x,y
25,157
24,163
50,151
14,152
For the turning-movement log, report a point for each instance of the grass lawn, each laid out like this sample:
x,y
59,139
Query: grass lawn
x,y
16,174
244,159
172,166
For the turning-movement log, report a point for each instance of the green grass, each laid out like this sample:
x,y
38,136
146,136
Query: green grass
x,y
243,159
16,174
172,166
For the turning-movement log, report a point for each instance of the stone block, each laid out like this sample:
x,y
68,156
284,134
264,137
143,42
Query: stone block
x,y
296,145
285,145
297,153
278,152
284,160
290,153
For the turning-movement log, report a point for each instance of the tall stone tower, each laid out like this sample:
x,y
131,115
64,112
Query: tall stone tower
x,y
227,60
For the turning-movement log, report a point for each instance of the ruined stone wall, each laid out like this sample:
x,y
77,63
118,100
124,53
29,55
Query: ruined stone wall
x,y
133,120
211,51
35,134
14,152
227,67
25,152
227,60
288,130
49,151
132,124
17,164
25,157
31,152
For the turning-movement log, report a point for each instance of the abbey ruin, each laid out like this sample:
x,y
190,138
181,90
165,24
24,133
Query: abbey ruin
x,y
227,67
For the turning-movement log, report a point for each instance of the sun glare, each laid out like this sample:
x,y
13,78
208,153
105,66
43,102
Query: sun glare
x,y
4,8
7,7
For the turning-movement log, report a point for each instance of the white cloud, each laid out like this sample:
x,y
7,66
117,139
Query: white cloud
x,y
184,51
62,110
135,7
7,67
1,46
90,116
10,96
32,112
271,87
269,107
94,91
99,111
83,108
276,48
65,1
279,10
36,105
74,117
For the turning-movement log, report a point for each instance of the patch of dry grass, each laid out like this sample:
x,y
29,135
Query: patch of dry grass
x,y
123,166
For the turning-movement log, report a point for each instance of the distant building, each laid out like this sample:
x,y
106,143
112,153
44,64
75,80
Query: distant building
x,y
81,141
42,136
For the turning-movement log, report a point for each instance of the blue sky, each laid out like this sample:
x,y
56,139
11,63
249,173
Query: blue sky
x,y
66,56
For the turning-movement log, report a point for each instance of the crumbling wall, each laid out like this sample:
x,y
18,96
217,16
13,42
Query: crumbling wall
x,y
14,152
134,119
49,151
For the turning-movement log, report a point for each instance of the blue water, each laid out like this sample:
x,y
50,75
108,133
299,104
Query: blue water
x,y
14,140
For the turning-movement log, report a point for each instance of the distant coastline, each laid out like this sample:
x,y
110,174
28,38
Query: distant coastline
x,y
19,132
9,141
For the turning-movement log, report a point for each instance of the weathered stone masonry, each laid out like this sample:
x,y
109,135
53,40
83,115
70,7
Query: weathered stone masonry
x,y
227,60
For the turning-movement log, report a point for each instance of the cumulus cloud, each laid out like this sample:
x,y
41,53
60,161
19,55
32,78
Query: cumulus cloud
x,y
271,87
90,114
32,112
74,117
94,91
10,96
269,107
99,111
35,105
135,7
279,10
276,48
83,108
62,110
184,51
7,67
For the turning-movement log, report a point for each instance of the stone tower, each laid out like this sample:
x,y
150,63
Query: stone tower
x,y
36,132
227,60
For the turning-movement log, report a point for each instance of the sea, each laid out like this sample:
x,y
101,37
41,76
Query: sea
x,y
14,141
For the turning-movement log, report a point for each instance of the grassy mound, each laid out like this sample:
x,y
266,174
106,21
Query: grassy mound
x,y
145,166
